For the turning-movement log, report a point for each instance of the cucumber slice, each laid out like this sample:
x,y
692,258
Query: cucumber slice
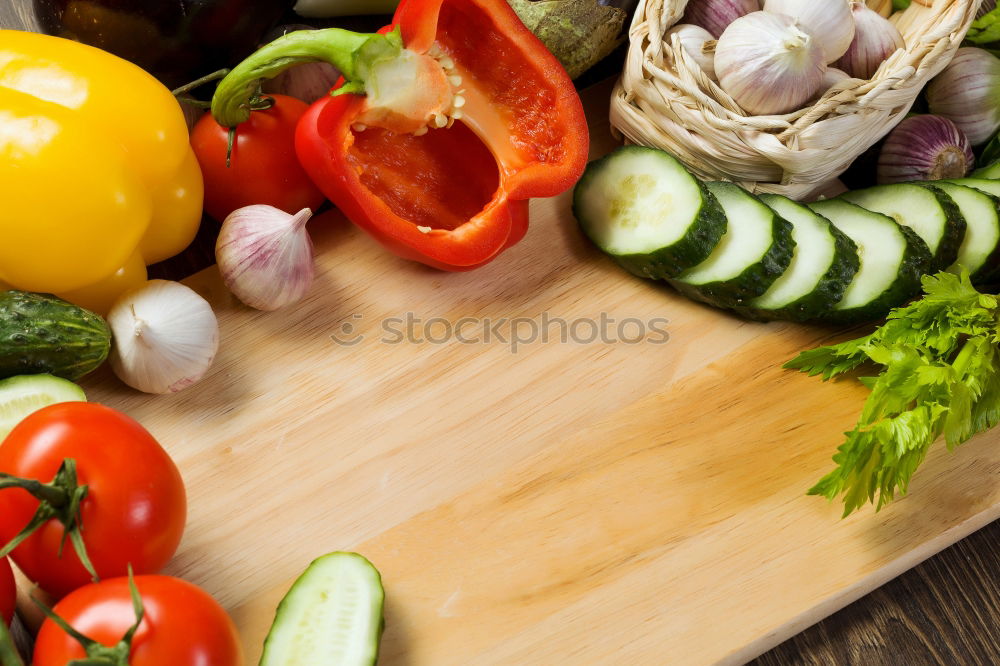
x,y
981,184
823,264
755,250
927,210
24,394
893,258
991,172
980,249
331,616
642,207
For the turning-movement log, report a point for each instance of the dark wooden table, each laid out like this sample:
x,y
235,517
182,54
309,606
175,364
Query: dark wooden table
x,y
944,611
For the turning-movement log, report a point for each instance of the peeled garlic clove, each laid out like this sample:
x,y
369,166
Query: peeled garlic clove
x,y
768,64
829,22
265,256
875,39
692,39
165,337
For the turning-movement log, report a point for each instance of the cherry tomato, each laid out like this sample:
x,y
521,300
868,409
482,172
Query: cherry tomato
x,y
263,167
8,593
135,507
182,625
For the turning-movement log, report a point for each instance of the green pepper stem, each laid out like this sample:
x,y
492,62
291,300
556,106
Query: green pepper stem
x,y
350,52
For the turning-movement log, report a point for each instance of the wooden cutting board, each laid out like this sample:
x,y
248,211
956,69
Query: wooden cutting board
x,y
571,502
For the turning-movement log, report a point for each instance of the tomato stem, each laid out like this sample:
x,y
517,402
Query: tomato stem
x,y
9,656
208,78
98,654
60,500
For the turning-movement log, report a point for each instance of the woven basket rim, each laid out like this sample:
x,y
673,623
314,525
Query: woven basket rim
x,y
664,99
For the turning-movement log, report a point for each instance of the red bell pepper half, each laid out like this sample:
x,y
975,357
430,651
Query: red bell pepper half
x,y
446,123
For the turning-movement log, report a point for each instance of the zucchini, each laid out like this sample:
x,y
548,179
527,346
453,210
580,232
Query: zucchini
x,y
331,616
927,210
823,264
980,250
642,207
40,333
893,259
755,250
22,395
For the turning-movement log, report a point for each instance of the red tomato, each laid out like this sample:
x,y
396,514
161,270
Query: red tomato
x,y
263,167
135,507
182,626
8,593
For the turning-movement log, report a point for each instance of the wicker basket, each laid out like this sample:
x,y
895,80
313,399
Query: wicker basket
x,y
664,100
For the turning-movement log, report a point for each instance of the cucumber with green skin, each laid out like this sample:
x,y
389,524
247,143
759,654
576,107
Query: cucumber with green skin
x,y
755,251
40,333
331,616
24,394
922,207
991,172
980,249
643,209
893,260
823,265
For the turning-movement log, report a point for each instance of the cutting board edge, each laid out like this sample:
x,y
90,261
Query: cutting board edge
x,y
862,587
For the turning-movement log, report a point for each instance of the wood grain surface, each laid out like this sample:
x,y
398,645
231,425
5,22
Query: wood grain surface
x,y
568,503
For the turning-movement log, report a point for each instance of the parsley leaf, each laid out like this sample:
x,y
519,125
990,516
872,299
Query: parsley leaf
x,y
940,377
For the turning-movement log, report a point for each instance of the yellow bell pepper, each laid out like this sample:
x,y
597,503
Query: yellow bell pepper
x,y
97,176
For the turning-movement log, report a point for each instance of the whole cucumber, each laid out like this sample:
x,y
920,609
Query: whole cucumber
x,y
40,333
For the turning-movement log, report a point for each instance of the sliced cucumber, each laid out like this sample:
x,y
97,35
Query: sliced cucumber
x,y
24,394
893,258
981,184
823,264
991,171
331,616
927,210
980,250
755,250
642,207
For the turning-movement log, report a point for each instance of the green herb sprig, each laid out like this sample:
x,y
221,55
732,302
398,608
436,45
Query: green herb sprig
x,y
940,376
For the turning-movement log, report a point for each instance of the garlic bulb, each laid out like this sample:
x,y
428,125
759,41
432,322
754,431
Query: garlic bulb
x,y
875,39
924,147
833,76
165,337
967,92
828,21
693,39
768,64
265,256
716,15
307,82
